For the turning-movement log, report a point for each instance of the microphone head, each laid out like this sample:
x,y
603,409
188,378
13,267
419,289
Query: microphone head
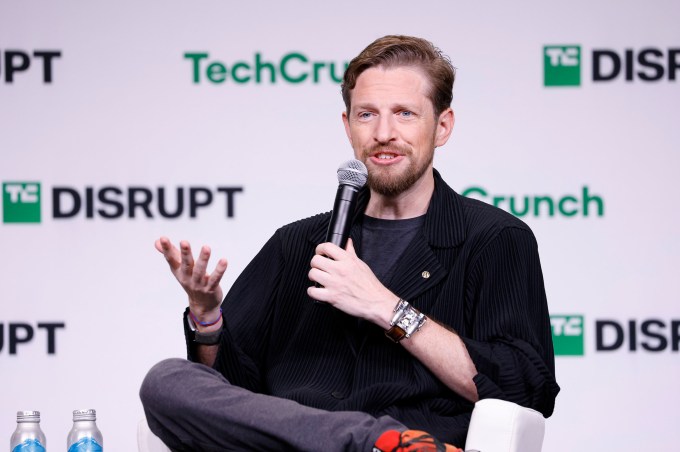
x,y
353,172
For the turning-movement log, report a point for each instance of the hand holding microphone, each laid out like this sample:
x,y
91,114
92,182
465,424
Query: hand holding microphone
x,y
341,278
352,176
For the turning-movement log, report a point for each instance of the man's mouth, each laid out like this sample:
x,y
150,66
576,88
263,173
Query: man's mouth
x,y
384,156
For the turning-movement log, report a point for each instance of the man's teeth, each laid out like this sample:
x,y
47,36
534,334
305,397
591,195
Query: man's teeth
x,y
385,156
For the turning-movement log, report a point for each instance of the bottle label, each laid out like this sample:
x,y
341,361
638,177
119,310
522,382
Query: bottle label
x,y
29,445
86,445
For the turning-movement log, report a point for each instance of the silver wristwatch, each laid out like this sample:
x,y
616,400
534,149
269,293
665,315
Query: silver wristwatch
x,y
406,321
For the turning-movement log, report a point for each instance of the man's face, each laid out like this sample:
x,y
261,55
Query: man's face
x,y
393,129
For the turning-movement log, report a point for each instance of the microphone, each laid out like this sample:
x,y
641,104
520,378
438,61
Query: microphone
x,y
352,176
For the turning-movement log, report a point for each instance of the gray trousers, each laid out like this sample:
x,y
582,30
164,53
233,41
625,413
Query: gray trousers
x,y
192,407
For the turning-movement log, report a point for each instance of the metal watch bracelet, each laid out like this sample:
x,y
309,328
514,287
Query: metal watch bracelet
x,y
406,321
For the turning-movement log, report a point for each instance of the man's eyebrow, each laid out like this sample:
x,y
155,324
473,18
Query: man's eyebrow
x,y
393,106
404,106
364,105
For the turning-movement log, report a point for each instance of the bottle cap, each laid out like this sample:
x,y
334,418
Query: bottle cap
x,y
84,415
28,416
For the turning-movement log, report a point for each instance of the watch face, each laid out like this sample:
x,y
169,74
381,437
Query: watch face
x,y
408,318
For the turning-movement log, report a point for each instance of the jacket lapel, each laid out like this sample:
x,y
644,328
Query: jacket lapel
x,y
417,270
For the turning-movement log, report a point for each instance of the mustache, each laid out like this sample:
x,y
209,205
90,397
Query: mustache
x,y
378,147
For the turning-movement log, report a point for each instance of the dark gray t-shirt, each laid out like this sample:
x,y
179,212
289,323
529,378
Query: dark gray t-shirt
x,y
384,241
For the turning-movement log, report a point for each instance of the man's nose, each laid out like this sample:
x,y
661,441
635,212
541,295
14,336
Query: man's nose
x,y
385,130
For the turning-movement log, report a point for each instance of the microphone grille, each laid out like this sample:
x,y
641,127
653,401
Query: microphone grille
x,y
353,172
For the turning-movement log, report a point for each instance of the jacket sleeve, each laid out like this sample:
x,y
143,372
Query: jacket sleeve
x,y
247,311
508,332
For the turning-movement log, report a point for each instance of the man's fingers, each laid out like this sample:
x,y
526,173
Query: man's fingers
x,y
158,244
318,276
171,254
201,265
323,263
216,276
187,257
331,250
318,293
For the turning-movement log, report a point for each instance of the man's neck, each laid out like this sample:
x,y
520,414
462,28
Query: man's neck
x,y
409,204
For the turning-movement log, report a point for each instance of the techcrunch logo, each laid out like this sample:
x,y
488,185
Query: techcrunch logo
x,y
562,64
21,202
293,67
583,204
650,335
567,334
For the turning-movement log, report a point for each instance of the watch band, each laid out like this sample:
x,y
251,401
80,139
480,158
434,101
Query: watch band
x,y
395,333
211,338
406,321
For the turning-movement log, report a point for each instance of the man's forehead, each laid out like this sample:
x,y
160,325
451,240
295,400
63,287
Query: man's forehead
x,y
387,71
395,83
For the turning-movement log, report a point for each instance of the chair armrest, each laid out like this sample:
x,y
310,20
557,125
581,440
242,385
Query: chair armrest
x,y
147,441
501,426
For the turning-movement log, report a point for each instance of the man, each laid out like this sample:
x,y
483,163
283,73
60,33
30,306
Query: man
x,y
463,278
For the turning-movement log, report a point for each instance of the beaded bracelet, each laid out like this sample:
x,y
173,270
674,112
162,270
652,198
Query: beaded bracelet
x,y
193,317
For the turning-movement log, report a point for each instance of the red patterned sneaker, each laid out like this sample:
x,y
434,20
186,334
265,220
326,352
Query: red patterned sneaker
x,y
411,441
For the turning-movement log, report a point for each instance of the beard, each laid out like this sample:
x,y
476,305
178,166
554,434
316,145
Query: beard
x,y
390,182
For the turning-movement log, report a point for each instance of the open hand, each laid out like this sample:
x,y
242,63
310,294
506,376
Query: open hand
x,y
205,293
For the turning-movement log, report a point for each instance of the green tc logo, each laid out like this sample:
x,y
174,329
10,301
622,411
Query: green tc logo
x,y
567,334
562,65
21,202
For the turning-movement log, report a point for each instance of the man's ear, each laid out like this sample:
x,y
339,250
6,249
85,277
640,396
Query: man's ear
x,y
444,127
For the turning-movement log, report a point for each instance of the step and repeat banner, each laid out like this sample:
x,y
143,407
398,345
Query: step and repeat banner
x,y
218,122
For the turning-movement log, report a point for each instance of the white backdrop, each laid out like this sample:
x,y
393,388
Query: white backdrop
x,y
122,110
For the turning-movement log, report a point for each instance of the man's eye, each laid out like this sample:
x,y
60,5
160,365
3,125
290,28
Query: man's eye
x,y
364,115
406,113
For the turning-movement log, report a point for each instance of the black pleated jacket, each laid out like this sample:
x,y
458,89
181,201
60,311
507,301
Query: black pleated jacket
x,y
485,282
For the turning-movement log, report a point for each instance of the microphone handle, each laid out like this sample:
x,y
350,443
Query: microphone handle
x,y
342,216
341,219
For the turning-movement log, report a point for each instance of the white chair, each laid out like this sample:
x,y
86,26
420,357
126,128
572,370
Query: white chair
x,y
147,441
500,426
496,426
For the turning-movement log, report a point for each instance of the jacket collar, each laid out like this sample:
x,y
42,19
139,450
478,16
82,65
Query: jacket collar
x,y
444,223
443,228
